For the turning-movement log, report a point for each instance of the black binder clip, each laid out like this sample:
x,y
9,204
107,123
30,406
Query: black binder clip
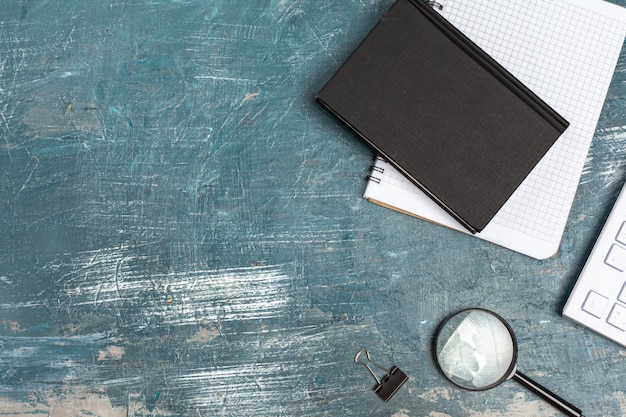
x,y
386,387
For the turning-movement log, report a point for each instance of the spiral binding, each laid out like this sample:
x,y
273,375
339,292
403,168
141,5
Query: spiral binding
x,y
435,4
376,169
373,179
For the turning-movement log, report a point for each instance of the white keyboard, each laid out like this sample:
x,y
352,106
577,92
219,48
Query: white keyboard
x,y
598,300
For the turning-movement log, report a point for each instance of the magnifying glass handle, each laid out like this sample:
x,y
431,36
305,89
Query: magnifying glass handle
x,y
544,393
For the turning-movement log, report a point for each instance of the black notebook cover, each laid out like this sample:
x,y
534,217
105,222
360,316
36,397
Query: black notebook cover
x,y
443,112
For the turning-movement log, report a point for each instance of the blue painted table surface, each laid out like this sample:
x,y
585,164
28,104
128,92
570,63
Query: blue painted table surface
x,y
183,233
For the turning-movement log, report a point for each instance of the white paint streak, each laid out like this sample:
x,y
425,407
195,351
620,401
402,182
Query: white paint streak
x,y
76,401
435,394
205,334
612,141
219,78
521,406
438,414
620,397
238,383
15,306
113,279
32,168
112,353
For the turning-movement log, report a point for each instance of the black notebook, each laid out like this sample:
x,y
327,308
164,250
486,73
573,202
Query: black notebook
x,y
442,112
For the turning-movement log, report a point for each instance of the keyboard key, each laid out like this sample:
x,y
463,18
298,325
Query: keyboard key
x,y
598,300
621,235
616,258
595,304
622,294
617,317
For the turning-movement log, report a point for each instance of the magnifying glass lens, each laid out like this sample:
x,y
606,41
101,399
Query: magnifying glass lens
x,y
475,349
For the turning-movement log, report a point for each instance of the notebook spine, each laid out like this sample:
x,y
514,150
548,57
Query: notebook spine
x,y
491,65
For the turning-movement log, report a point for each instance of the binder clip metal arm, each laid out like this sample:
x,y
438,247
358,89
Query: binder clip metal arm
x,y
389,384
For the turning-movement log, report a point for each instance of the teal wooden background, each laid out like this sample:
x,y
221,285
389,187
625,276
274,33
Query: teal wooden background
x,y
182,231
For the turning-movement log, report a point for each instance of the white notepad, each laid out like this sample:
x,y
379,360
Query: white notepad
x,y
566,52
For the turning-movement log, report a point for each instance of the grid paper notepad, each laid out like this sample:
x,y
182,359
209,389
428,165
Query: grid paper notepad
x,y
566,52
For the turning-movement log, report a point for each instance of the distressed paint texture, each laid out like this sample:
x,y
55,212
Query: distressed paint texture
x,y
182,230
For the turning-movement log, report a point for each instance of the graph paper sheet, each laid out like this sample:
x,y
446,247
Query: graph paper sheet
x,y
566,52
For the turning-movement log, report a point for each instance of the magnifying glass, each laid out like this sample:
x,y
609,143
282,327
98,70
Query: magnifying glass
x,y
477,350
